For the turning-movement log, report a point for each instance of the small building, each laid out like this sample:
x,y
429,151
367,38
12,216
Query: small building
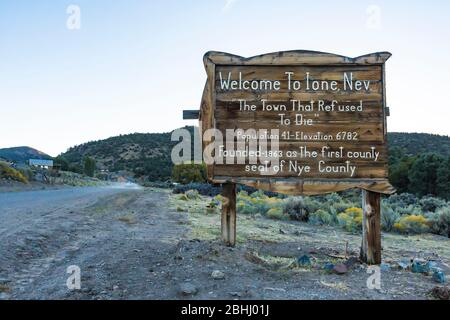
x,y
40,163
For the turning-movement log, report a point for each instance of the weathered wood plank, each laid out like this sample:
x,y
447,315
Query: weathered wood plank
x,y
371,241
329,73
302,96
228,219
296,186
191,114
364,131
368,124
373,87
363,171
297,57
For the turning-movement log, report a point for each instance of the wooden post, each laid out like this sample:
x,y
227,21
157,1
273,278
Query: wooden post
x,y
229,214
371,230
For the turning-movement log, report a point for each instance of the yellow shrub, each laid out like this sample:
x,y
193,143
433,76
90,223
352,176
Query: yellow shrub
x,y
412,224
354,212
358,219
351,219
6,172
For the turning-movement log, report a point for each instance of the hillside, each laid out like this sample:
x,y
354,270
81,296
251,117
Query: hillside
x,y
144,154
22,154
148,154
417,143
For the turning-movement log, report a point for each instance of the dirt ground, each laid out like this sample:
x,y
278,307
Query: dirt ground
x,y
149,244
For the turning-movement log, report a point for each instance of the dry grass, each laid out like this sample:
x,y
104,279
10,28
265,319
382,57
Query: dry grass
x,y
206,226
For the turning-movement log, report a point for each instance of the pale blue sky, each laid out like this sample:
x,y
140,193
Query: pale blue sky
x,y
135,64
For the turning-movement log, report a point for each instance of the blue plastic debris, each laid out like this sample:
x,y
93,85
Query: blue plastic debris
x,y
385,267
403,264
424,267
439,276
432,266
420,267
328,266
304,260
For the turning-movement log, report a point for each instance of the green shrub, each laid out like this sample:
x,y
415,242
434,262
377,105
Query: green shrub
x,y
277,214
296,208
321,217
27,173
192,195
401,199
256,203
439,221
409,210
89,166
341,206
189,173
6,172
388,218
412,224
205,189
258,195
431,204
332,198
244,207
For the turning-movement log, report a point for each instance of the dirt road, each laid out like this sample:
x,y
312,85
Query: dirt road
x,y
133,243
103,230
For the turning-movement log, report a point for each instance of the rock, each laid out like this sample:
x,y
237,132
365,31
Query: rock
x,y
441,293
218,275
439,276
304,261
235,294
188,289
275,289
115,287
350,262
340,268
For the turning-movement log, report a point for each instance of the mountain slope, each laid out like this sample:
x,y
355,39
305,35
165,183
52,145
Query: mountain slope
x,y
22,154
416,143
144,154
148,154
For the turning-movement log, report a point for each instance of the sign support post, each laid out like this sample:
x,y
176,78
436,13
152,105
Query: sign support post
x,y
371,229
229,214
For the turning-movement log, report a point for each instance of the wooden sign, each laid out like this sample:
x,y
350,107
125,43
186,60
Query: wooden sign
x,y
297,122
321,116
